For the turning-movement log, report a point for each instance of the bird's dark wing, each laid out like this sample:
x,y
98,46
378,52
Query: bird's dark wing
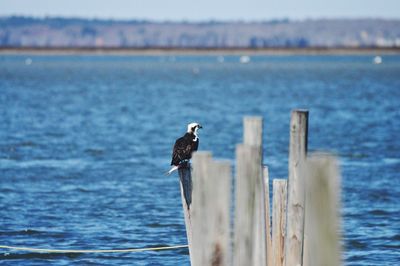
x,y
182,150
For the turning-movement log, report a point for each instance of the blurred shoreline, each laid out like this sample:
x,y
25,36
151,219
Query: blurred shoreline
x,y
198,51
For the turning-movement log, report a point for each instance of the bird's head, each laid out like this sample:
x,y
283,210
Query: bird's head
x,y
193,128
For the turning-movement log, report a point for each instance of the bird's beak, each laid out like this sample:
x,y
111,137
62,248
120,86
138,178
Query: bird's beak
x,y
200,126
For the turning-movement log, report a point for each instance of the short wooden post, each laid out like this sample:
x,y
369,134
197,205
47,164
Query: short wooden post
x,y
279,221
295,204
322,210
267,216
210,211
250,227
185,181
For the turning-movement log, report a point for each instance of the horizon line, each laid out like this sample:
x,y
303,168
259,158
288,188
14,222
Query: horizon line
x,y
182,20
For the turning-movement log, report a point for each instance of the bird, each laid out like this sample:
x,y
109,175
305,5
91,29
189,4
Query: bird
x,y
184,147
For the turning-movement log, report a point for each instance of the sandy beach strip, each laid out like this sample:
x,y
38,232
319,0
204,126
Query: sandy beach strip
x,y
197,51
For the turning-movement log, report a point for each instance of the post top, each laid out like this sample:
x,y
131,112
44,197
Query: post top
x,y
202,154
300,110
253,118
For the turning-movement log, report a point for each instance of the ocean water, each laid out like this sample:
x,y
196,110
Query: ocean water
x,y
85,140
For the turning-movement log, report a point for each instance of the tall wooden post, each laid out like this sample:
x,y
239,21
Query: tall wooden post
x,y
210,211
250,226
295,205
322,213
267,216
279,221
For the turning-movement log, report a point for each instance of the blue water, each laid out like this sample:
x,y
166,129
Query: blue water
x,y
85,140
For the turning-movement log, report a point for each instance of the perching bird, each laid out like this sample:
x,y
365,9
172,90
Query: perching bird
x,y
184,147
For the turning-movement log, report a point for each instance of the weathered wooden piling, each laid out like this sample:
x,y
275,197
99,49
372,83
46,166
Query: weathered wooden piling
x,y
185,181
279,202
252,131
210,211
322,211
295,204
267,215
250,226
305,222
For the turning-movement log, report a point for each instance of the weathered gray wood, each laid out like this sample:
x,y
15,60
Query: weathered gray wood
x,y
260,234
253,130
201,162
306,247
250,172
249,237
267,215
322,211
279,221
210,211
295,204
185,174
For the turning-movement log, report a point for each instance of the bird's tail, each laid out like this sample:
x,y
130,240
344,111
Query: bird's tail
x,y
173,168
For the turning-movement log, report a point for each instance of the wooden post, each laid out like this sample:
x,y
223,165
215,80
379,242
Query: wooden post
x,y
267,216
322,212
248,175
253,130
295,206
306,246
185,181
279,221
250,227
210,211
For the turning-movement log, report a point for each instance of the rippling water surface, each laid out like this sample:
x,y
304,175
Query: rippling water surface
x,y
85,140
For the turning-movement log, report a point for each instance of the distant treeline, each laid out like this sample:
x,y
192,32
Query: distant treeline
x,y
77,32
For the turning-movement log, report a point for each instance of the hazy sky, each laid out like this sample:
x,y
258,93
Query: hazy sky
x,y
203,9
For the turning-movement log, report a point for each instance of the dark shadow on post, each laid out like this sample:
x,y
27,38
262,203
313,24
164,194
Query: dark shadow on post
x,y
185,177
